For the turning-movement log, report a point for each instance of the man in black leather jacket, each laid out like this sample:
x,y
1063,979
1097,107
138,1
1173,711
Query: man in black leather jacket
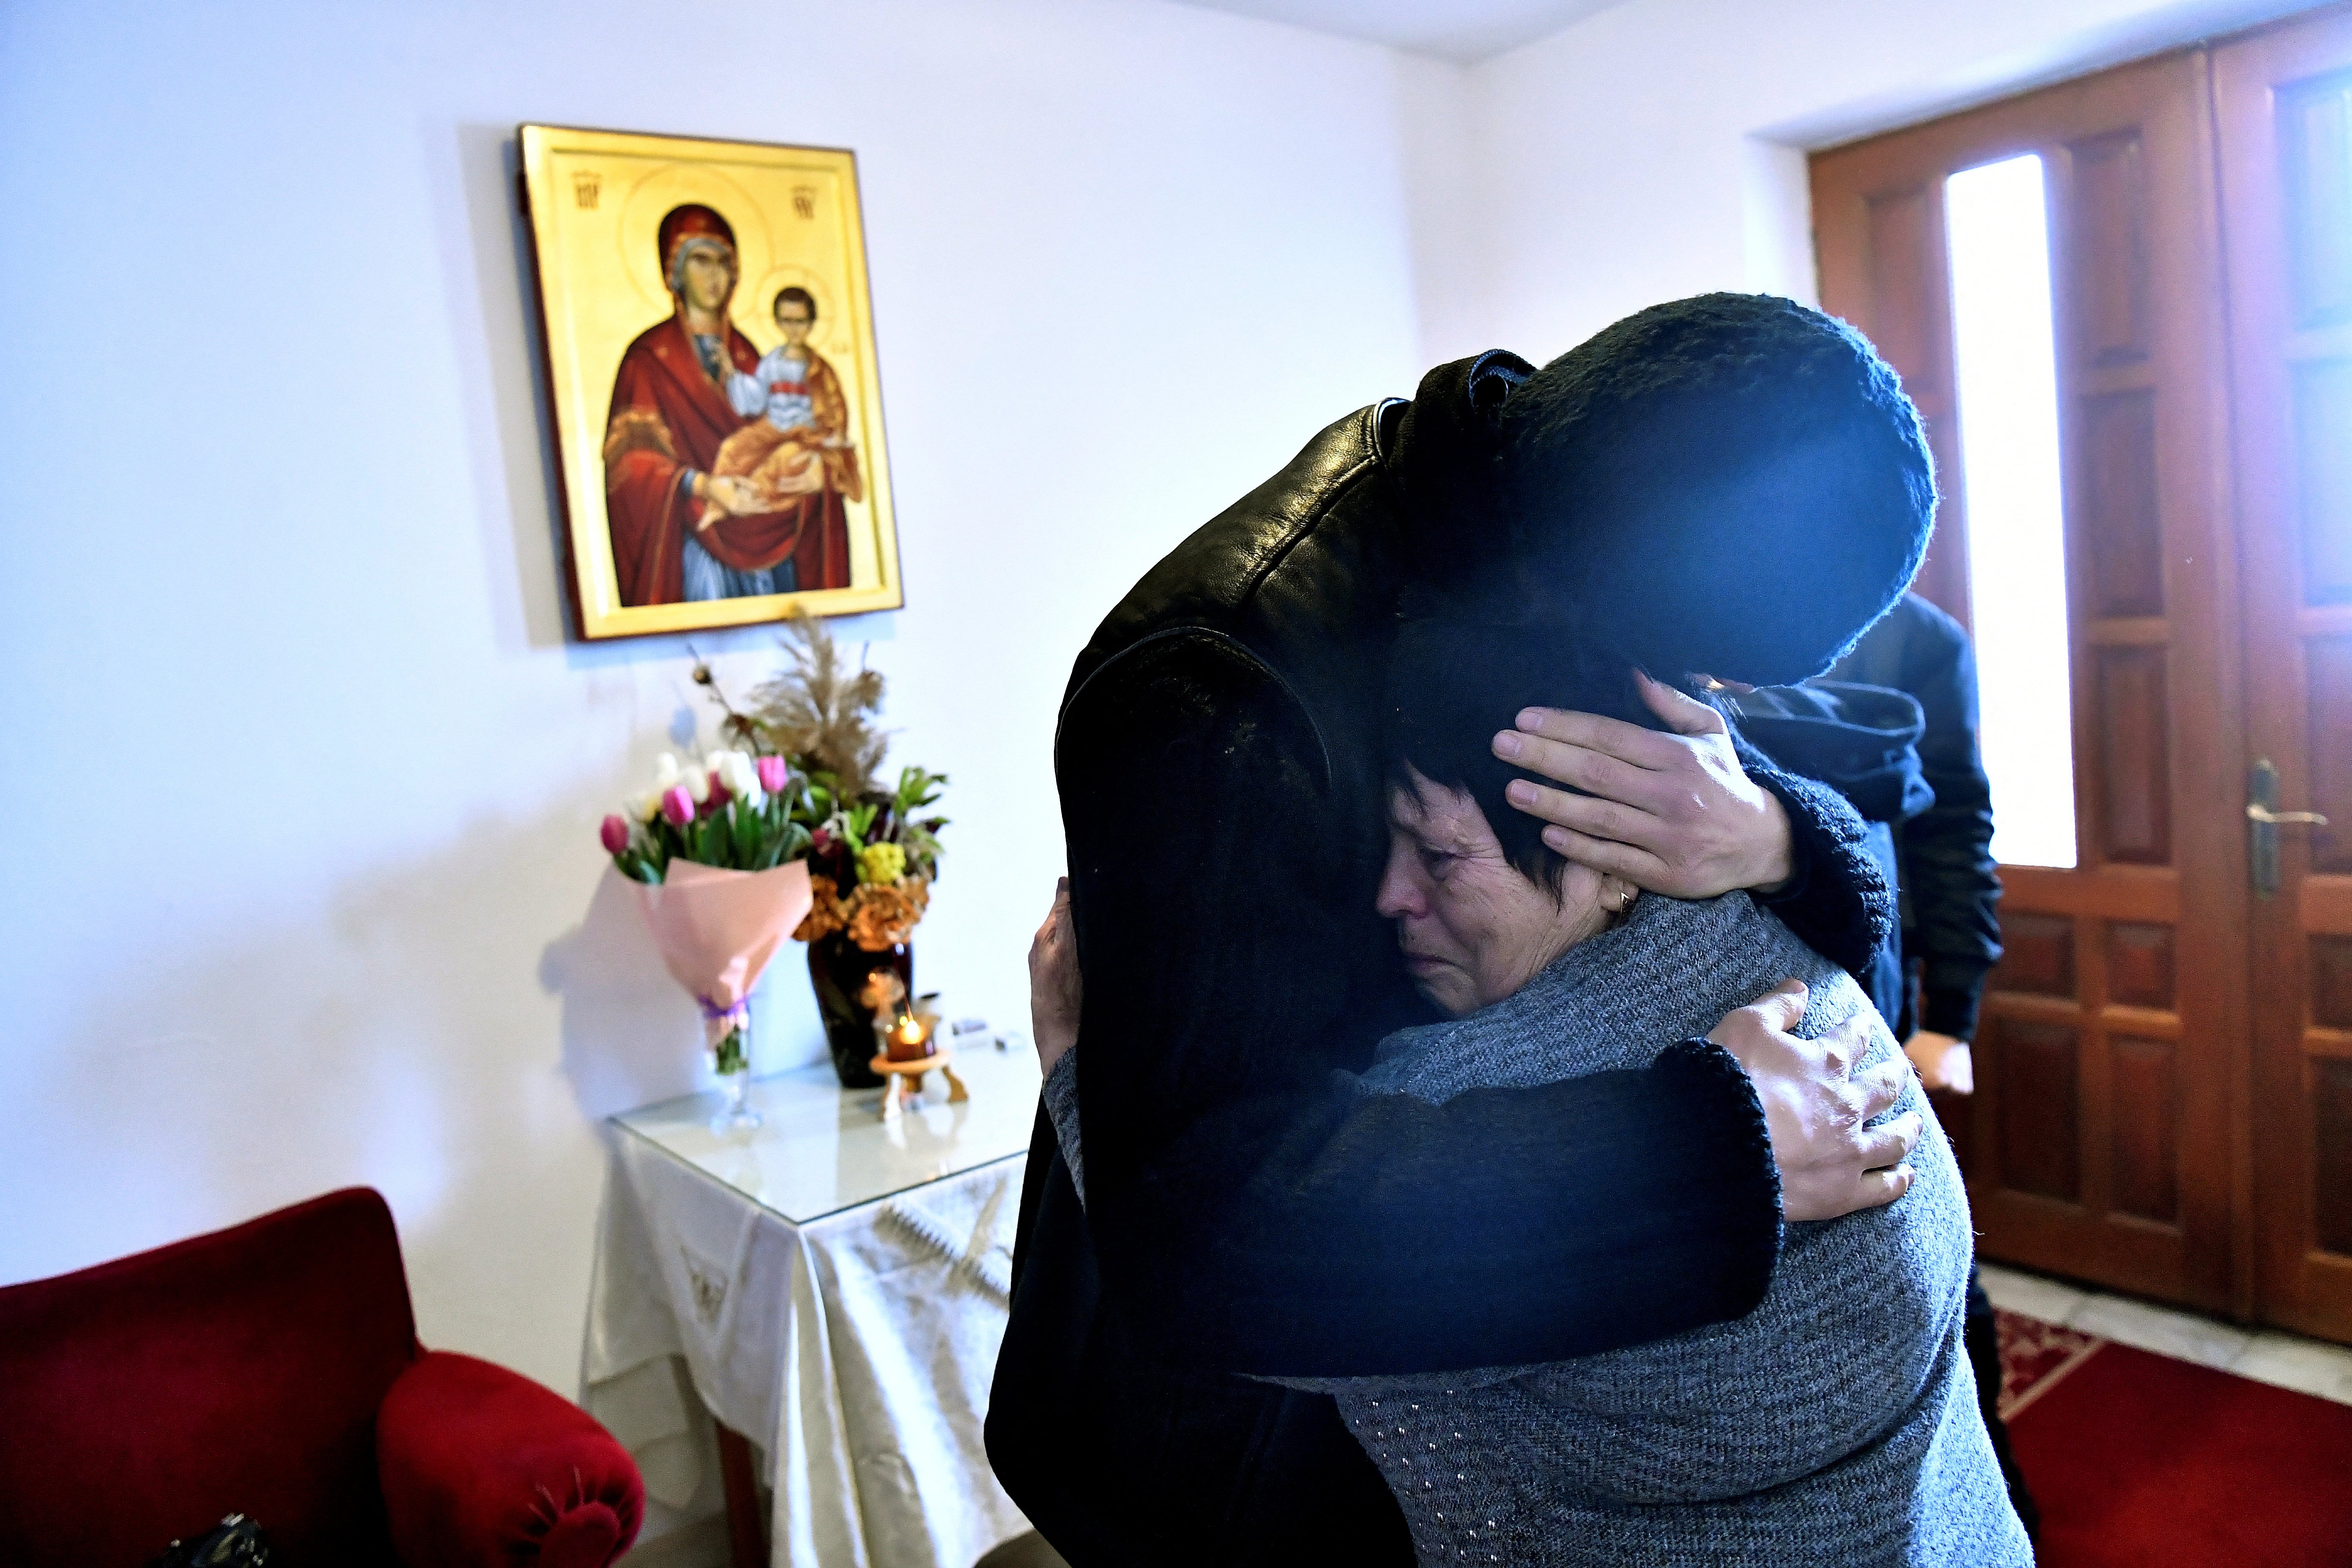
x,y
1250,1213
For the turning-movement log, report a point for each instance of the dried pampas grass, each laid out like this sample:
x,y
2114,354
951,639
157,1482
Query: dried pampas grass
x,y
820,712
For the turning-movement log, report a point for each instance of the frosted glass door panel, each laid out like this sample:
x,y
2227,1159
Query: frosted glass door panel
x,y
1997,233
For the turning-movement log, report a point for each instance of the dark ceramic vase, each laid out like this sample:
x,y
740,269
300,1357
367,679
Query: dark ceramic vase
x,y
839,969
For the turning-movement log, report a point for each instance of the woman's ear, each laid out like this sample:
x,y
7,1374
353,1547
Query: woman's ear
x,y
1617,894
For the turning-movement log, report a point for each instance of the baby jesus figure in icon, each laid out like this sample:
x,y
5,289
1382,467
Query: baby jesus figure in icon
x,y
799,416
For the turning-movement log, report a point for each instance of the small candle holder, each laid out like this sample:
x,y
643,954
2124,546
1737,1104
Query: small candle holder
x,y
908,1052
905,1038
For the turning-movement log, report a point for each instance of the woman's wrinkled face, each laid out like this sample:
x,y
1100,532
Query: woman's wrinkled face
x,y
1474,928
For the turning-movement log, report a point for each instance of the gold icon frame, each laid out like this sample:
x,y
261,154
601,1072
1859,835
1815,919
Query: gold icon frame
x,y
596,200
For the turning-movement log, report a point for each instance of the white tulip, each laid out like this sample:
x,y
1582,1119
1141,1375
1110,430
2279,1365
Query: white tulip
x,y
696,781
646,807
664,772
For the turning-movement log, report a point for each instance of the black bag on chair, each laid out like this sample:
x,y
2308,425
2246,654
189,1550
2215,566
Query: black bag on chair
x,y
236,1543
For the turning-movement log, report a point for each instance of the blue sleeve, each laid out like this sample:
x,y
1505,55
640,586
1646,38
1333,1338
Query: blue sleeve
x,y
1837,899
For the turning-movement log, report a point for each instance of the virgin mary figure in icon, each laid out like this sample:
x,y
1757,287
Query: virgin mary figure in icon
x,y
692,520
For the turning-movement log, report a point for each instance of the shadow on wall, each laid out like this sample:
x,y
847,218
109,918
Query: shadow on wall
x,y
298,1034
628,1031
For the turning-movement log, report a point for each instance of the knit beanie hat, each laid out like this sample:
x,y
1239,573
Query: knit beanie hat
x,y
1731,485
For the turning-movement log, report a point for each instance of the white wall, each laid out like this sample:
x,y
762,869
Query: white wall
x,y
300,776
1655,150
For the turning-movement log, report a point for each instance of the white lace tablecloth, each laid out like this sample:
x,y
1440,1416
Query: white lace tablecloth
x,y
835,1288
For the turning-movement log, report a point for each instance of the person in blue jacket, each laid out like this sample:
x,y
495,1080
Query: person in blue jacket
x,y
1950,894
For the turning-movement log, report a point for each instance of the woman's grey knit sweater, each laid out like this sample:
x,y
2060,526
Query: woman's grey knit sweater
x,y
1836,1423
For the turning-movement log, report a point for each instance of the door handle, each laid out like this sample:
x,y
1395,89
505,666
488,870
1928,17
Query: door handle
x,y
2263,820
2264,814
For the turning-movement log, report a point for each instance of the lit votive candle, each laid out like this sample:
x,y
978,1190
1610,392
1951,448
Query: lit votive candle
x,y
909,1041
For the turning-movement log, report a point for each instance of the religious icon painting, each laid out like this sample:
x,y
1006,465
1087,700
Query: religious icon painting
x,y
710,354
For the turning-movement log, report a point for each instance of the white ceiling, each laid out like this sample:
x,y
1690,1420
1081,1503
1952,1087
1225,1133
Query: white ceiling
x,y
1464,30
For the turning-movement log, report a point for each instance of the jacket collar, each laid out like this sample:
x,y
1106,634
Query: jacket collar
x,y
1445,458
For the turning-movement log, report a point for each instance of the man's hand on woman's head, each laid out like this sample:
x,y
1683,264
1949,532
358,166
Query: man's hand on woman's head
x,y
1056,987
1816,1106
1672,813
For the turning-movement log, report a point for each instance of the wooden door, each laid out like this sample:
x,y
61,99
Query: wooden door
x,y
2100,1141
2283,109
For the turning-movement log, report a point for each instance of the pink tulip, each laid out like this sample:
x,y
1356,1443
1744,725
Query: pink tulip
x,y
615,834
678,805
716,802
775,773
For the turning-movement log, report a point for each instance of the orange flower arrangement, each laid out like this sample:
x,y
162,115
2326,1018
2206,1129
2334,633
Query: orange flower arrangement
x,y
827,913
881,917
878,916
871,840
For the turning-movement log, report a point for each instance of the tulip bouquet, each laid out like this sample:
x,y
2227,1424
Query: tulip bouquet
x,y
731,809
716,848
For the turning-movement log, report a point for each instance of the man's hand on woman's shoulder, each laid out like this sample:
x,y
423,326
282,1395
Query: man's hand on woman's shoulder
x,y
1672,813
1832,1162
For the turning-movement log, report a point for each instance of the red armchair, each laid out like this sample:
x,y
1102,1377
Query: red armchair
x,y
273,1370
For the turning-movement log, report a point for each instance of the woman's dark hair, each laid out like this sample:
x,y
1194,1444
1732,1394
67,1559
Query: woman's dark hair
x,y
794,291
1453,683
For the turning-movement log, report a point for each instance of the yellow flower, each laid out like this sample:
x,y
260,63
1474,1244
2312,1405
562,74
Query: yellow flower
x,y
881,863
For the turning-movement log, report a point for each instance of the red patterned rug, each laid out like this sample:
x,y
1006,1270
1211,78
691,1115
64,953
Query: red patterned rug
x,y
2034,1356
2143,1460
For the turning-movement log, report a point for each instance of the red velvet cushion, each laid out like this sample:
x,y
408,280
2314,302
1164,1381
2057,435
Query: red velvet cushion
x,y
483,1469
241,1371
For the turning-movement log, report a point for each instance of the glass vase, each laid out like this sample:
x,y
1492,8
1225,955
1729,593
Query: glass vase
x,y
730,1061
841,971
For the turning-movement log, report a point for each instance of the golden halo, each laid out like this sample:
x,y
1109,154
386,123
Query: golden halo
x,y
669,185
755,311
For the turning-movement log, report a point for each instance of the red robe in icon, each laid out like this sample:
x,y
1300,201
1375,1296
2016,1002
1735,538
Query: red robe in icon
x,y
668,417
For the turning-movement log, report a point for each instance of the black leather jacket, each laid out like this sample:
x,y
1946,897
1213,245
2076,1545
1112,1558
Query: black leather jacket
x,y
1251,1210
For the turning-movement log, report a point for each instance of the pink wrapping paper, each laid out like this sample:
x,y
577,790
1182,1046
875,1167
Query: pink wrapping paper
x,y
717,928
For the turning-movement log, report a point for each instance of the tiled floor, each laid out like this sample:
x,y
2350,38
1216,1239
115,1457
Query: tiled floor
x,y
2287,1360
